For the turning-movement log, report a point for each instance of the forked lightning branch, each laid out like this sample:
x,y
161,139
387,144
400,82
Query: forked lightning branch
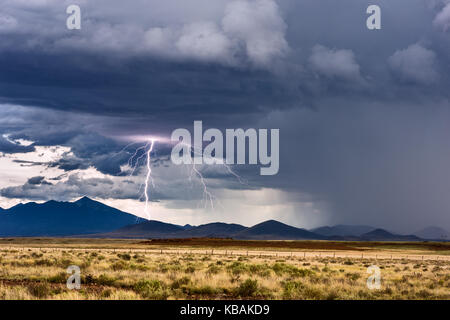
x,y
241,147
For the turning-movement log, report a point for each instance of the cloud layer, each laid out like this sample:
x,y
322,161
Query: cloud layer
x,y
361,113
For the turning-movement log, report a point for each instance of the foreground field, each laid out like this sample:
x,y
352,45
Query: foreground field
x,y
36,269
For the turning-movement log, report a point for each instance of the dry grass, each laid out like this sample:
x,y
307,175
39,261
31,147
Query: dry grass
x,y
40,273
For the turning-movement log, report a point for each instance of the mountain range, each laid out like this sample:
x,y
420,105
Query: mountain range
x,y
89,218
54,218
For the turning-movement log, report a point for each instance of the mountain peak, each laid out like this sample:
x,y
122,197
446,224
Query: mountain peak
x,y
272,229
54,218
271,223
383,235
379,232
85,199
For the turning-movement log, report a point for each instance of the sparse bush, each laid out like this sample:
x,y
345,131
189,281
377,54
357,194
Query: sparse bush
x,y
203,291
151,289
43,262
353,276
105,280
248,288
120,265
423,294
190,269
293,271
213,269
237,268
59,278
124,256
39,290
179,283
106,293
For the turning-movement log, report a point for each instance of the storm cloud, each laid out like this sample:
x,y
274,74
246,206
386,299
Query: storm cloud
x,y
362,113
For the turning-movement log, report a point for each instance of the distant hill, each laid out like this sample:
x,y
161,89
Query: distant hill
x,y
214,230
342,230
275,230
146,229
383,235
272,230
433,233
55,218
161,230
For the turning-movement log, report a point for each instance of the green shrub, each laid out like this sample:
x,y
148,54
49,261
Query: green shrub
x,y
353,276
237,268
248,288
151,289
204,290
124,256
213,269
293,271
105,280
179,283
120,265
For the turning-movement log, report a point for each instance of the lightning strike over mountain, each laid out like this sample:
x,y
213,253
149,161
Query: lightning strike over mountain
x,y
145,151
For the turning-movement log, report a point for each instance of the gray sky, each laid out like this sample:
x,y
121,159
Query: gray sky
x,y
364,116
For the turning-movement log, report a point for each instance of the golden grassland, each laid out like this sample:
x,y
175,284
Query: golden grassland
x,y
36,269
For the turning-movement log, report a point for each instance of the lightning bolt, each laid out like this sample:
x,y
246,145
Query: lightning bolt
x,y
148,177
135,161
209,196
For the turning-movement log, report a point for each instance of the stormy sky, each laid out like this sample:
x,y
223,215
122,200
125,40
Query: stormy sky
x,y
364,115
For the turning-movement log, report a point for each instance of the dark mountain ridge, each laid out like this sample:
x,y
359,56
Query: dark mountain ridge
x,y
89,218
383,235
274,230
54,218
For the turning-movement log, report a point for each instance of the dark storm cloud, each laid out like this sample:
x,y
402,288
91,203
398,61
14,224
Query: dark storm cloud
x,y
361,113
126,78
